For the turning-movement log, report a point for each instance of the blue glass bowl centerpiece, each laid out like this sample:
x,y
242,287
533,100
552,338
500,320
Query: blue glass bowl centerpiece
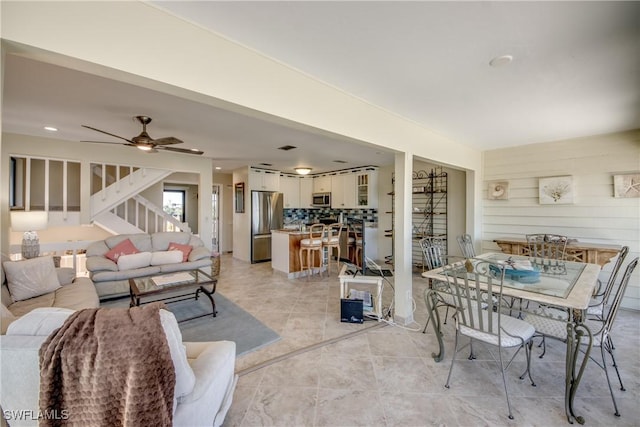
x,y
518,275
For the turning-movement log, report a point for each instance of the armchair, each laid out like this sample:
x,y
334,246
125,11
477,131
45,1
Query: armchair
x,y
205,378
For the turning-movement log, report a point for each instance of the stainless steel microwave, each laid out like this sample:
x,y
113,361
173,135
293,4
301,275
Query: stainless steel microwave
x,y
321,200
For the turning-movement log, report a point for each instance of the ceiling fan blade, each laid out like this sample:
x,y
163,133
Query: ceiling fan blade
x,y
182,150
107,133
169,140
110,142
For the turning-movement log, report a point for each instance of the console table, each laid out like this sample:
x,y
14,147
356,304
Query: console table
x,y
592,253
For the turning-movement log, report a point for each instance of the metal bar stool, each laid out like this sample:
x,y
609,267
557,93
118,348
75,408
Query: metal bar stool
x,y
310,246
331,241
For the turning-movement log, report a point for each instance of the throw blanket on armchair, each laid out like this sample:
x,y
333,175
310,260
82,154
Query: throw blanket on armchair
x,y
108,367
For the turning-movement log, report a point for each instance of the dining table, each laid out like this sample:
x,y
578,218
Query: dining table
x,y
566,285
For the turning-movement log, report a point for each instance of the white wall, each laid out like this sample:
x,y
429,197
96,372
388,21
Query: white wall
x,y
595,216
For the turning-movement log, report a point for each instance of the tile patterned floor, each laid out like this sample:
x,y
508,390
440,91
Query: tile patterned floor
x,y
386,376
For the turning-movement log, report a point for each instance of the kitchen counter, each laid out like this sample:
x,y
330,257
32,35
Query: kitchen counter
x,y
285,252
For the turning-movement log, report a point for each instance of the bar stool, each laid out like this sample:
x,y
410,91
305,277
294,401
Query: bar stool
x,y
354,244
310,246
330,241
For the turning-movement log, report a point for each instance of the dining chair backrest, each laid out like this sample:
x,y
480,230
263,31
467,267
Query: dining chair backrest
x,y
547,246
466,246
472,303
316,233
433,251
614,273
617,299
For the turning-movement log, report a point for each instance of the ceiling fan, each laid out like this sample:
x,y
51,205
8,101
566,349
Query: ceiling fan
x,y
144,142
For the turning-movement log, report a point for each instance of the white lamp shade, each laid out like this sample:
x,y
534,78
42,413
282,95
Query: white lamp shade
x,y
29,221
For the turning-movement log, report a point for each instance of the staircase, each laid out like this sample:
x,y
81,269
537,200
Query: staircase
x,y
119,209
138,215
115,203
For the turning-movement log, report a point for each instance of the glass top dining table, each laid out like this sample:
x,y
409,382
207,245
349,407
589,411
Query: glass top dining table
x,y
568,285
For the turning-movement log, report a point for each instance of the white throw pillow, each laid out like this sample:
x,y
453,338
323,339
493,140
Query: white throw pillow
x,y
166,257
185,378
31,278
133,261
40,321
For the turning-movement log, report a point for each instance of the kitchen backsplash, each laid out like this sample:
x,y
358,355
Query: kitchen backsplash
x,y
309,216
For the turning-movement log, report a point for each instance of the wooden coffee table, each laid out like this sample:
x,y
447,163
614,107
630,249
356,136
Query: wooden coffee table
x,y
180,284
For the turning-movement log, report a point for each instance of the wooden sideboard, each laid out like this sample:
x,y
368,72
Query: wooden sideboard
x,y
576,251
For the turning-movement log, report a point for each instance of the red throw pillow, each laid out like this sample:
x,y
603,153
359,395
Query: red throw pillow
x,y
123,248
185,249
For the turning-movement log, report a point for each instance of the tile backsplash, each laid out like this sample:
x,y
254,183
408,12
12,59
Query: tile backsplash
x,y
309,216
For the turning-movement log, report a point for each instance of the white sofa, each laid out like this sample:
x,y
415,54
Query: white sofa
x,y
205,378
75,293
111,279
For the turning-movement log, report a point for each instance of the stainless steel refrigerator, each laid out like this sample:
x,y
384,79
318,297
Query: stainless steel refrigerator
x,y
267,214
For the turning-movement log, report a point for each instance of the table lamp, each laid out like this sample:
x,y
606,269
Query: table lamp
x,y
29,222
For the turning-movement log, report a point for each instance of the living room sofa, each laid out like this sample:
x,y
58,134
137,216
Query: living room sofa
x,y
73,293
205,377
148,254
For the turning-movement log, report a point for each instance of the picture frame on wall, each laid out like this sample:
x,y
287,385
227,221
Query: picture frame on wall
x,y
498,190
627,185
239,197
556,190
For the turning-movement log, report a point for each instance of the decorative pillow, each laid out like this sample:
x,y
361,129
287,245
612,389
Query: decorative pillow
x,y
166,257
185,378
123,248
133,261
40,321
31,278
65,275
185,249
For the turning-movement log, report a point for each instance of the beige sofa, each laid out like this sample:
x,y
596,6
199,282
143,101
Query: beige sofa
x,y
111,279
74,293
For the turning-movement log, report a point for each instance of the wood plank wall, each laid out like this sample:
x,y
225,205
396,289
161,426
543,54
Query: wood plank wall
x,y
595,216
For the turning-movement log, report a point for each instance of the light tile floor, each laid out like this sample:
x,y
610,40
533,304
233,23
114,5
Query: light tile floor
x,y
387,377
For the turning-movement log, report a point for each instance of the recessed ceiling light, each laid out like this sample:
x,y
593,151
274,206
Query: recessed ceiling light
x,y
500,61
51,129
218,168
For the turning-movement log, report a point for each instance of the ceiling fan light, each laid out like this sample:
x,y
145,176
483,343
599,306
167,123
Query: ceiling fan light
x,y
145,147
302,171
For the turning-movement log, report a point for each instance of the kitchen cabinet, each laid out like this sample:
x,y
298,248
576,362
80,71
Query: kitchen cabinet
x,y
322,184
367,189
306,192
264,180
343,191
290,188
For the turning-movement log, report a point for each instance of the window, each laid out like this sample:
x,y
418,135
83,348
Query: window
x,y
173,203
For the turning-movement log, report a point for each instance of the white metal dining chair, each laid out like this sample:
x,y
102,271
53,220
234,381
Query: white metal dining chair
x,y
548,251
601,297
433,254
479,316
466,245
600,330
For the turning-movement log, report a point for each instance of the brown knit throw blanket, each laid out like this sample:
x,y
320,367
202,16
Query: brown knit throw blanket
x,y
108,367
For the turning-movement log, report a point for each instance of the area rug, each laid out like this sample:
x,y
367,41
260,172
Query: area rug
x,y
232,323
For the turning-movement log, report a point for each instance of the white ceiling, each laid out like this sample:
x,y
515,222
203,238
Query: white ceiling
x,y
575,72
